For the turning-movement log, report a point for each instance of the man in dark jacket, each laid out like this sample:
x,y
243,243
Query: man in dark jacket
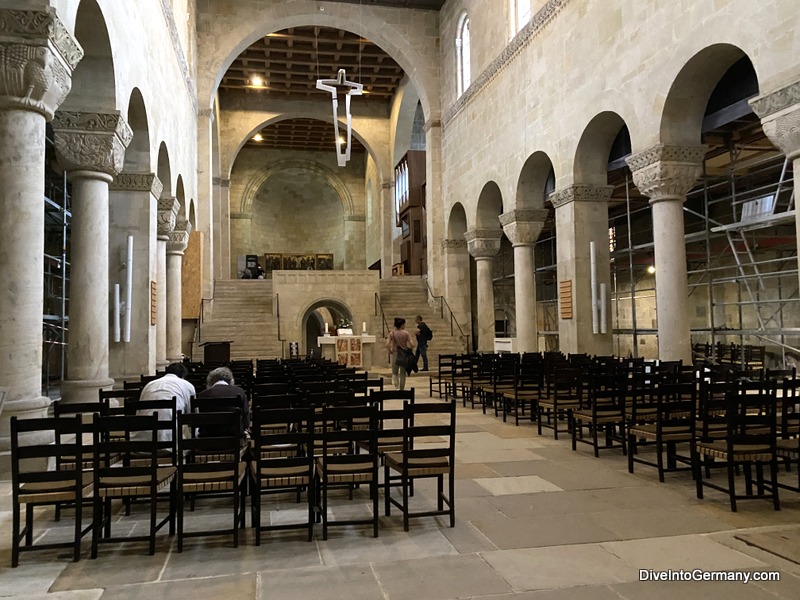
x,y
220,384
424,335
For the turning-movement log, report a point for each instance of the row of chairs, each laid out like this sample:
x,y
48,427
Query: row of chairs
x,y
303,448
743,419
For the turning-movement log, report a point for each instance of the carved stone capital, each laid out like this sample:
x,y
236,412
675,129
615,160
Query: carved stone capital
x,y
523,226
226,183
780,118
138,182
667,172
179,238
91,141
167,216
581,193
483,243
453,244
37,57
431,124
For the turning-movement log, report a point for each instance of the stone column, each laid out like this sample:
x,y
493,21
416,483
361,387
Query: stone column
x,y
35,78
780,117
581,218
434,206
388,228
225,228
241,238
177,243
91,148
484,245
167,217
522,228
666,174
457,284
204,206
134,211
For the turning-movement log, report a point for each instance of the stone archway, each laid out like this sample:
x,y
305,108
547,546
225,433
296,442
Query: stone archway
x,y
313,322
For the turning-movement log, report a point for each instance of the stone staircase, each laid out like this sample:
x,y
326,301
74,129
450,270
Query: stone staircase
x,y
242,313
407,297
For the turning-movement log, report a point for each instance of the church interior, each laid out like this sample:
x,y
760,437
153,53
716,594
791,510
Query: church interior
x,y
590,203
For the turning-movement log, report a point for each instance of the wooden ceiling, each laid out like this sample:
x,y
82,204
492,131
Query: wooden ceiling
x,y
286,65
300,134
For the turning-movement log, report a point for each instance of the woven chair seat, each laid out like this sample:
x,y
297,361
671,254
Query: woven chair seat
x,y
55,491
562,404
347,473
134,486
603,416
216,481
792,430
670,433
788,448
741,452
418,467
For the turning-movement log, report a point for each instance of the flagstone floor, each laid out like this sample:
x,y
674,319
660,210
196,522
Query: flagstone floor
x,y
535,521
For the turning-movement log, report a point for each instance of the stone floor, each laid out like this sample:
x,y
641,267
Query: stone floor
x,y
535,521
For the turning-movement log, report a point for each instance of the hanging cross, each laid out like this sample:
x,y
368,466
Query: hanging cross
x,y
329,85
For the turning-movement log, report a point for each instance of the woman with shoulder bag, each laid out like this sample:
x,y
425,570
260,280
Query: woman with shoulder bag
x,y
401,344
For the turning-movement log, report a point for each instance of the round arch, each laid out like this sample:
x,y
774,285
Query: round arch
x,y
244,27
137,155
260,178
93,80
490,206
688,96
532,185
164,170
333,306
591,156
456,222
246,131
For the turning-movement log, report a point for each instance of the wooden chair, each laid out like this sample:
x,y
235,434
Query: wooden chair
x,y
566,394
211,465
750,441
603,409
138,474
675,422
283,460
336,467
442,377
423,456
35,443
788,443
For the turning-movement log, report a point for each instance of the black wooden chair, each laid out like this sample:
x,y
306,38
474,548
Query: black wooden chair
x,y
750,442
35,443
344,459
128,469
423,456
211,464
283,460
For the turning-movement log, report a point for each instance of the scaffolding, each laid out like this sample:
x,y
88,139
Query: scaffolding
x,y
55,319
741,251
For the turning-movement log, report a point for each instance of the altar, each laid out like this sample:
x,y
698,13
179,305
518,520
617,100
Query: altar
x,y
349,350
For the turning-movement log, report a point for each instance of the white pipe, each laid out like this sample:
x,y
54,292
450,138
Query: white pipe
x,y
128,291
603,316
116,312
593,282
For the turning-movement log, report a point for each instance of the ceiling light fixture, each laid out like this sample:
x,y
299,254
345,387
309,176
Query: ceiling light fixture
x,y
651,269
258,138
329,85
257,81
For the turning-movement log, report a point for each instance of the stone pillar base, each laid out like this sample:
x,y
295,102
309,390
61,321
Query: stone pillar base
x,y
84,390
33,408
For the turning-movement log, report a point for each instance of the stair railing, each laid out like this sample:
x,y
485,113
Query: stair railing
x,y
379,311
278,315
451,317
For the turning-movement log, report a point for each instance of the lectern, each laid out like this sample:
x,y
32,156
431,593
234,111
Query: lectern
x,y
216,352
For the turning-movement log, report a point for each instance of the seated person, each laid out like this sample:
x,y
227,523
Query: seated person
x,y
220,384
173,383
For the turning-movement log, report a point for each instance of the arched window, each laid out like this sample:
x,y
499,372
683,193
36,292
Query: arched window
x,y
463,71
521,14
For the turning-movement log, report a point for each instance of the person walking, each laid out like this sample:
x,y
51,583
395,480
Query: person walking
x,y
400,344
424,335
